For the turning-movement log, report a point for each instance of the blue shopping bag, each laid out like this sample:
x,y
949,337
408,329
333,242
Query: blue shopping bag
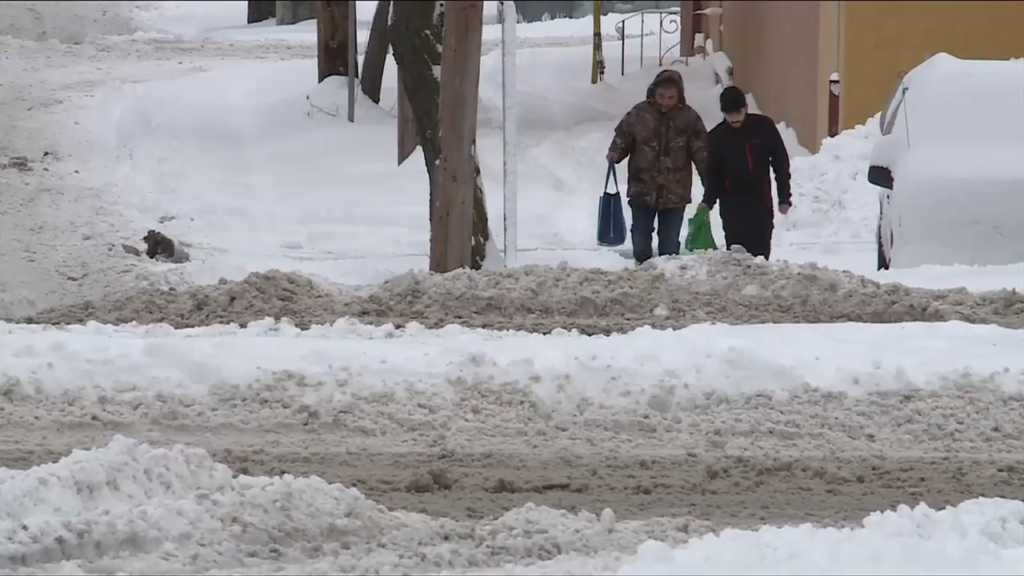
x,y
611,223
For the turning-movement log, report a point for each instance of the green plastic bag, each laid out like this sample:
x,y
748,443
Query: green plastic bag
x,y
698,231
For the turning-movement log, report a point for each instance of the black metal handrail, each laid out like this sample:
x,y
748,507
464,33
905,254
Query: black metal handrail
x,y
669,22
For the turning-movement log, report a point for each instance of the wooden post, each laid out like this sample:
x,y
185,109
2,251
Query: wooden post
x,y
376,52
260,10
833,105
697,24
686,27
408,136
416,35
713,19
452,227
332,31
289,12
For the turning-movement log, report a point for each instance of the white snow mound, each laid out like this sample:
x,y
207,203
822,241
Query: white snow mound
x,y
181,510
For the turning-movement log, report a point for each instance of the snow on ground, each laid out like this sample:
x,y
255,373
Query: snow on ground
x,y
617,368
346,448
225,20
189,135
71,22
180,508
223,151
669,293
209,122
140,509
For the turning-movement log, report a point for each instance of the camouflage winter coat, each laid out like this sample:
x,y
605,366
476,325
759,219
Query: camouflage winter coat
x,y
662,148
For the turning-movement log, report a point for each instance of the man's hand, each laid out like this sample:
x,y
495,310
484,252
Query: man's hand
x,y
613,158
784,208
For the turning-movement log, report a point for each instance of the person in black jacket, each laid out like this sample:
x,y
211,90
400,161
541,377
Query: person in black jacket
x,y
740,151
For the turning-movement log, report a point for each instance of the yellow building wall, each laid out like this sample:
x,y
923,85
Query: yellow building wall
x,y
880,40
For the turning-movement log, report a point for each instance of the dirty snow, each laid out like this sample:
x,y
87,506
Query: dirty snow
x,y
705,412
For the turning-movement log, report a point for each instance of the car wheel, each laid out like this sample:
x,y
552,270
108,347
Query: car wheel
x,y
883,261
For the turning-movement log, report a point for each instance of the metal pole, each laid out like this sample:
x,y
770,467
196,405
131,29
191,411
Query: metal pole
x,y
353,44
509,120
643,31
596,60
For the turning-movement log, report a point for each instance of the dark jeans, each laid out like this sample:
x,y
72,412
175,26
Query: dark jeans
x,y
754,237
670,225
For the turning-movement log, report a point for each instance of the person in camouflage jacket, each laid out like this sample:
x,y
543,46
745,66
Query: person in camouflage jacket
x,y
663,138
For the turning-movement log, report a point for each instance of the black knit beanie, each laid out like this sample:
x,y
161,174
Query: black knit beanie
x,y
732,100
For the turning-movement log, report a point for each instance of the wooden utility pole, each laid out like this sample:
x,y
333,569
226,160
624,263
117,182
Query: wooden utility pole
x,y
332,39
451,238
416,33
260,10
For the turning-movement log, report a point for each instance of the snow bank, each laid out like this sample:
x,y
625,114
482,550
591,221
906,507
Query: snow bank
x,y
226,20
555,92
190,19
715,287
622,369
993,526
831,194
68,22
147,510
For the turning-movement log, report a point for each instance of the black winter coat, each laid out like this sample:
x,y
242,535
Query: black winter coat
x,y
739,177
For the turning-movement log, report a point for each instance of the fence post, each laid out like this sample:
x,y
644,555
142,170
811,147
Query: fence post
x,y
833,105
686,28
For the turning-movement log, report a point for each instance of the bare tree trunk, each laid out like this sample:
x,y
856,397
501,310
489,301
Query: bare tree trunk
x,y
376,52
260,10
416,33
332,39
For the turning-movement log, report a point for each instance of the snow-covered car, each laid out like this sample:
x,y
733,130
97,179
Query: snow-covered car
x,y
950,165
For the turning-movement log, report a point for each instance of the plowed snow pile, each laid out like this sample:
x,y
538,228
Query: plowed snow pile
x,y
131,508
673,293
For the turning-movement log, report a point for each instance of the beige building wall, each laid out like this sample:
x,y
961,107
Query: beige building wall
x,y
783,52
779,55
883,39
829,52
